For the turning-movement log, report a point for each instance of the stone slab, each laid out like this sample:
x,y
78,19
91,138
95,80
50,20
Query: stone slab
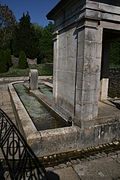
x,y
66,174
101,168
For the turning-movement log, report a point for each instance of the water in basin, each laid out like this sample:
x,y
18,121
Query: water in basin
x,y
46,90
40,116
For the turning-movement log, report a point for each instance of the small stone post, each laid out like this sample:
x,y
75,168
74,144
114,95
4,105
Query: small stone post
x,y
33,76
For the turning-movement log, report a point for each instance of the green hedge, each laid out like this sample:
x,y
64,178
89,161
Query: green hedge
x,y
22,61
43,70
8,57
4,61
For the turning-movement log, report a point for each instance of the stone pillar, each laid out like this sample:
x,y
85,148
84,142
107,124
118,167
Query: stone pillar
x,y
104,83
55,66
88,72
105,70
33,76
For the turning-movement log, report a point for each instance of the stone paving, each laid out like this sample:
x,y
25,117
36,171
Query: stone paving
x,y
5,103
97,167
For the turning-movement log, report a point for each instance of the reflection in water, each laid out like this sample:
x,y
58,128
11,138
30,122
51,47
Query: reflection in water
x,y
41,117
46,90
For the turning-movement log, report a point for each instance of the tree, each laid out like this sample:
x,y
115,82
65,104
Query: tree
x,y
8,57
25,38
7,24
46,43
4,66
38,30
38,33
22,61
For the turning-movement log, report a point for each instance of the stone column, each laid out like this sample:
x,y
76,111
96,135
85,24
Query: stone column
x,y
88,72
33,75
105,70
55,66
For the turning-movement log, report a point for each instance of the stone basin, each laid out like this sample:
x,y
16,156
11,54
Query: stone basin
x,y
64,139
40,115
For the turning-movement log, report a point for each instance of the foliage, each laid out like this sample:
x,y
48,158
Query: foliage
x,y
22,61
46,43
43,70
7,24
115,53
4,65
45,38
38,30
34,40
8,57
25,38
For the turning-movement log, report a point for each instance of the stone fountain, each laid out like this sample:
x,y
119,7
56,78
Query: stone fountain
x,y
83,33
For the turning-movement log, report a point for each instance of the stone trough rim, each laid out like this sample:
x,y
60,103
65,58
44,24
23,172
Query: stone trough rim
x,y
35,133
60,140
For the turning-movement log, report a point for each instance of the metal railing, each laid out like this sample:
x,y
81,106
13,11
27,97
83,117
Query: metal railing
x,y
19,161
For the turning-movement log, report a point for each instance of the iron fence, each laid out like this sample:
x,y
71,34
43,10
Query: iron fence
x,y
19,161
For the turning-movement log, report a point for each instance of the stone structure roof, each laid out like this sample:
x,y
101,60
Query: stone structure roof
x,y
62,3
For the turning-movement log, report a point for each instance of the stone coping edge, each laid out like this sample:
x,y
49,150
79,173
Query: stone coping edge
x,y
27,128
22,78
48,84
23,120
47,103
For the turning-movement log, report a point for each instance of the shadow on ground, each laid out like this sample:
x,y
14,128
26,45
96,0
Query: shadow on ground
x,y
52,176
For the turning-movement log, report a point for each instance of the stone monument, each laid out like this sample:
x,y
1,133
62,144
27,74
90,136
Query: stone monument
x,y
33,78
83,32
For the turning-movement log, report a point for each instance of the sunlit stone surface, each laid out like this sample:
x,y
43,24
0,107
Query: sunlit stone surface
x,y
83,33
33,76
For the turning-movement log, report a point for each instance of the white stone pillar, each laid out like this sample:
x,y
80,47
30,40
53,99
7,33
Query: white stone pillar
x,y
33,76
55,66
88,72
104,83
105,70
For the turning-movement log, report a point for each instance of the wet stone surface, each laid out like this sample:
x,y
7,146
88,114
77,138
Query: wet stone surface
x,y
46,90
41,117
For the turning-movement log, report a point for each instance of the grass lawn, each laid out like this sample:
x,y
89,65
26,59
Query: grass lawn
x,y
43,69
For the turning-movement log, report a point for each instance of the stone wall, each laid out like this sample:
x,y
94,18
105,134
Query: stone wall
x,y
64,69
15,60
32,61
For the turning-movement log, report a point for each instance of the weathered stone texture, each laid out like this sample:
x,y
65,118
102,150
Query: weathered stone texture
x,y
89,64
66,139
64,86
79,26
72,12
33,79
